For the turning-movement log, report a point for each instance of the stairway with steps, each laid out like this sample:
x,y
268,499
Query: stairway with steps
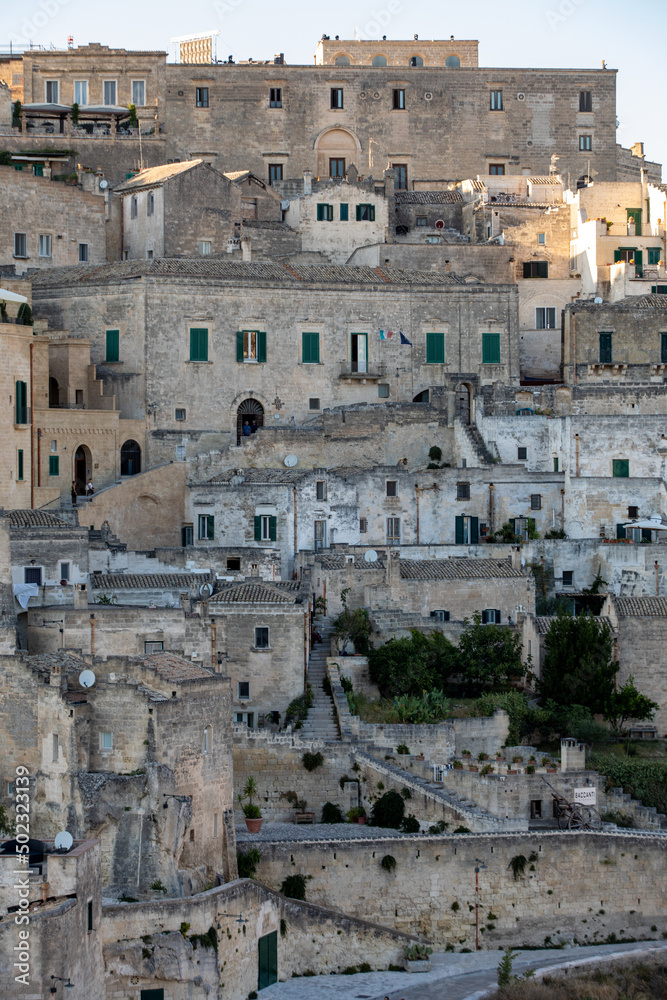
x,y
321,721
478,443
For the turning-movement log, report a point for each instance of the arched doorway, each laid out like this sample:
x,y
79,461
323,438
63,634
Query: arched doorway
x,y
336,150
130,458
83,468
422,397
54,392
251,414
462,409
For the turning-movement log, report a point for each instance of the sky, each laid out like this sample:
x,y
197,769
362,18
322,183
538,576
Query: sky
x,y
629,36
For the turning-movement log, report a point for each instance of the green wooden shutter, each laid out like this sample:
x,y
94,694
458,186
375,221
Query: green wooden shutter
x,y
344,213
620,531
272,528
54,465
258,529
617,256
531,525
621,468
261,345
113,345
639,265
198,344
19,455
267,949
310,348
210,527
663,348
513,524
636,215
321,213
21,403
359,208
605,348
459,530
474,530
653,255
239,345
435,348
491,348
542,269
646,534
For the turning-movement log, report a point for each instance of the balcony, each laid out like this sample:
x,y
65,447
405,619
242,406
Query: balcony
x,y
364,371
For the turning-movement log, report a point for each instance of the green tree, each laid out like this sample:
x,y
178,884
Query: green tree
x,y
412,666
629,703
490,654
353,625
578,668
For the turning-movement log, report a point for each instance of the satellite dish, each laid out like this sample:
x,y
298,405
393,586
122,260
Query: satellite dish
x,y
63,841
86,678
371,556
597,300
290,461
439,224
104,185
206,590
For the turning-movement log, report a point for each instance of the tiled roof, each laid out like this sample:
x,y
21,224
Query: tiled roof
x,y
478,185
338,562
34,519
546,179
429,198
237,175
236,271
147,581
171,667
543,623
641,607
641,302
456,569
252,593
155,176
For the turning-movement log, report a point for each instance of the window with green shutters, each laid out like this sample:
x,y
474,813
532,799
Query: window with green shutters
x,y
435,348
198,344
113,345
206,527
265,528
635,215
267,960
663,348
310,348
21,402
467,530
620,531
621,468
19,464
251,346
605,348
54,465
344,212
491,348
365,213
324,213
653,256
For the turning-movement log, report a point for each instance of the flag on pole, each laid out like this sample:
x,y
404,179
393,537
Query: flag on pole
x,y
386,334
404,339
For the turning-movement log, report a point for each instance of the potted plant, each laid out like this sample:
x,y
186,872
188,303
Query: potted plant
x,y
473,767
482,756
500,756
530,769
512,770
517,760
457,765
252,813
466,753
417,958
357,815
487,769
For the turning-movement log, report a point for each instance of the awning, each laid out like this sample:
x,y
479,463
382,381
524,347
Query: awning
x,y
50,109
653,523
24,591
7,296
113,110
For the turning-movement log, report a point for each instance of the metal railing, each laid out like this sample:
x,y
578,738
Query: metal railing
x,y
363,369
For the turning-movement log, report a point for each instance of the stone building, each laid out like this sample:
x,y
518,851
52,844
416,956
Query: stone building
x,y
16,348
640,625
261,343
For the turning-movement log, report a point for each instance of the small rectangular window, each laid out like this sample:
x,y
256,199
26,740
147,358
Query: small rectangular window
x,y
344,212
110,93
337,98
654,256
138,93
150,203
90,915
106,742
179,413
321,489
663,348
399,100
261,637
20,245
422,221
244,689
153,646
52,89
496,100
81,92
435,348
133,207
440,615
620,468
314,403
55,747
19,464
234,564
32,574
522,454
44,246
363,525
275,172
585,100
392,488
336,166
490,348
64,571
606,348
187,535
310,348
542,239
393,531
401,176
204,248
568,577
463,491
275,97
206,527
198,344
383,390
536,501
585,143
324,213
536,808
78,397
491,616
265,528
201,97
112,345
365,213
633,512
497,169
83,253
21,405
149,254
536,269
545,318
54,465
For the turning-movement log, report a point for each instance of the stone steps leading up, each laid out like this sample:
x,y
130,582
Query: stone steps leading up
x,y
321,720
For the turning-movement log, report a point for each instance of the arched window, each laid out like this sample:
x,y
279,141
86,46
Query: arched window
x,y
453,62
415,61
130,458
207,740
249,418
342,61
379,61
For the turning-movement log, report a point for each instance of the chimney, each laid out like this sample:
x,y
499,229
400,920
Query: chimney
x,y
246,249
307,182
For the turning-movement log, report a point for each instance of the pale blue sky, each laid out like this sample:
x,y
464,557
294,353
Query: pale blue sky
x,y
630,36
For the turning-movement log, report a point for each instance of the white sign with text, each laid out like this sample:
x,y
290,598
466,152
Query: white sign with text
x,y
585,796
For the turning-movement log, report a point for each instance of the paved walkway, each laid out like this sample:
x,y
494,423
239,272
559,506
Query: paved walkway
x,y
452,977
272,832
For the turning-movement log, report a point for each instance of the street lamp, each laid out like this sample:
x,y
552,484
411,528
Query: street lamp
x,y
479,866
67,985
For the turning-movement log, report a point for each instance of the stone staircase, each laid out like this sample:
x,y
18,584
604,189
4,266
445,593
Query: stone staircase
x,y
477,443
321,721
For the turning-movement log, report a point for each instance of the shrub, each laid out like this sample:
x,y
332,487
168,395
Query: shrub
x,y
435,453
332,813
643,779
294,886
388,811
158,886
462,829
365,967
619,818
388,863
207,940
437,828
418,952
247,862
357,812
455,906
410,824
403,748
297,710
518,865
326,685
311,761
